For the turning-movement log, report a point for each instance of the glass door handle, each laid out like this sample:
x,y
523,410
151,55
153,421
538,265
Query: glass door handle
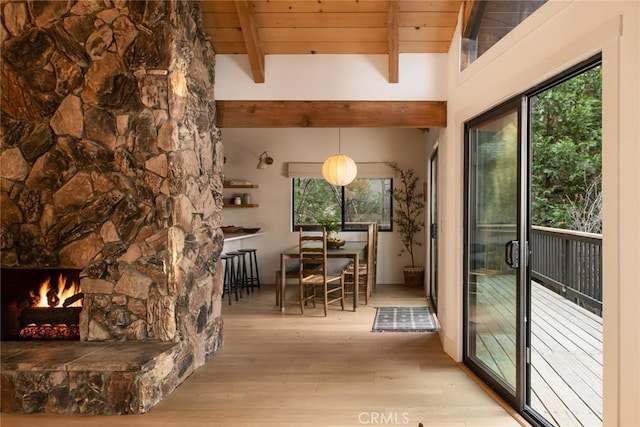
x,y
512,253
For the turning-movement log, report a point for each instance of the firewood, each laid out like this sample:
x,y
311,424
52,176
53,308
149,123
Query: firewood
x,y
52,298
73,299
50,315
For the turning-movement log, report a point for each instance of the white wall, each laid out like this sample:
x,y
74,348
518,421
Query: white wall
x,y
242,147
557,36
332,77
321,77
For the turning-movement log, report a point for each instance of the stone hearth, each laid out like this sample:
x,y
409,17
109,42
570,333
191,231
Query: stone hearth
x,y
87,377
111,163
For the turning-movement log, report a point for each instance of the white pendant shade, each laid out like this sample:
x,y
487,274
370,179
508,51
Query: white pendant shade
x,y
339,169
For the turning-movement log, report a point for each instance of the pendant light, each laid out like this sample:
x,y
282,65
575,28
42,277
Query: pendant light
x,y
339,169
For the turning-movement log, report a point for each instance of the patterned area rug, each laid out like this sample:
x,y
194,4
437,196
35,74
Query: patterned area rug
x,y
404,319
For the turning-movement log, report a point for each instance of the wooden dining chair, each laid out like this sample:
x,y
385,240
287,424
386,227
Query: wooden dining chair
x,y
367,268
314,273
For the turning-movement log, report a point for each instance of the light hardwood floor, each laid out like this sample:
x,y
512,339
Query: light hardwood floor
x,y
291,370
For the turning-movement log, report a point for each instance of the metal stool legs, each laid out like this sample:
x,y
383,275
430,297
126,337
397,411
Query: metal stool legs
x,y
241,271
253,275
230,283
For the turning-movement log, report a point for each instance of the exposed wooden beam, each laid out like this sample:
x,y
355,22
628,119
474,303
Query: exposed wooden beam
x,y
251,40
393,37
282,114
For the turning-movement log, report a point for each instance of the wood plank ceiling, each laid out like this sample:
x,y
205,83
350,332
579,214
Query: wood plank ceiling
x,y
307,27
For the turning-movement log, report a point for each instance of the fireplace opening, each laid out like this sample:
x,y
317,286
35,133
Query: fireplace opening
x,y
40,304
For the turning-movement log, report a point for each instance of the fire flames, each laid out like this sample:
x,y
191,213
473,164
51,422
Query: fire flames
x,y
49,296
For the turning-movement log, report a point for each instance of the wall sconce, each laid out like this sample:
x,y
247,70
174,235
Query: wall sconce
x,y
264,161
339,169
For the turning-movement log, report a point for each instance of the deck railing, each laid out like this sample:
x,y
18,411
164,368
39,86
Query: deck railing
x,y
569,263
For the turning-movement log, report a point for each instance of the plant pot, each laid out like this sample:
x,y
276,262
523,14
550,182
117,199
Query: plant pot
x,y
335,244
414,276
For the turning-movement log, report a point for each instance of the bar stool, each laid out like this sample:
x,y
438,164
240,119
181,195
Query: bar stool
x,y
230,283
253,276
241,271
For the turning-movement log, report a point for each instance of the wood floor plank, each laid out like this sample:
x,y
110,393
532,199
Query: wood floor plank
x,y
289,370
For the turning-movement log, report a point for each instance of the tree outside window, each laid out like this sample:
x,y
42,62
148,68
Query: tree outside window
x,y
364,200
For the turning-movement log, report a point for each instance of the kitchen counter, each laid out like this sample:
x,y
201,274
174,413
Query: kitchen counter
x,y
230,237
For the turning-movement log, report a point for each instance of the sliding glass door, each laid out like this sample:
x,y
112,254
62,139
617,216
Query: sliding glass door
x,y
533,249
492,273
565,292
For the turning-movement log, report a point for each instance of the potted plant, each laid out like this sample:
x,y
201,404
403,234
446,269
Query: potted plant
x,y
332,227
408,215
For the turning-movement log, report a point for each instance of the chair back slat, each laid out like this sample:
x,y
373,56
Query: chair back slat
x,y
313,253
372,250
313,272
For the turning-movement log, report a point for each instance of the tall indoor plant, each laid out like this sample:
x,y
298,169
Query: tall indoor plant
x,y
408,215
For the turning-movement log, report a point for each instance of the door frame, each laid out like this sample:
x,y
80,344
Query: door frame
x,y
433,222
513,104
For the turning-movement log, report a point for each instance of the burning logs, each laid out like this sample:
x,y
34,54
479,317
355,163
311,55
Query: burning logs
x,y
50,315
69,301
52,298
34,306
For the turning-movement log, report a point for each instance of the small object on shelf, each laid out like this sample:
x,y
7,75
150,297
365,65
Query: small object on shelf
x,y
237,200
227,184
251,230
246,198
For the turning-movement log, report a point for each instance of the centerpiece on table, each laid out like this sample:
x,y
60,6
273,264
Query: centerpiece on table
x,y
332,227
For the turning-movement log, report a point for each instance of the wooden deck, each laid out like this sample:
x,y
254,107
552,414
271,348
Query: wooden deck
x,y
566,350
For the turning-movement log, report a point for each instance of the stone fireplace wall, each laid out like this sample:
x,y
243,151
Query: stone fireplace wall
x,y
110,162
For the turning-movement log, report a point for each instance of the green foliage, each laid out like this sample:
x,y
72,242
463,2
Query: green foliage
x,y
408,210
497,170
316,200
566,139
359,203
365,201
330,225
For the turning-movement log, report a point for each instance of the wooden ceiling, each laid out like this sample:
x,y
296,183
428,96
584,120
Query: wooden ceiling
x,y
388,27
305,27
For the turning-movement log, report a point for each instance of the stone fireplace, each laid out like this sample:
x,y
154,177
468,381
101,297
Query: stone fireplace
x,y
110,165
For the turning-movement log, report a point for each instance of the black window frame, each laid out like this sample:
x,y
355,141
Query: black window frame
x,y
350,228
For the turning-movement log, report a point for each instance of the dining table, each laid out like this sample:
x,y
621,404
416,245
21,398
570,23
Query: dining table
x,y
352,250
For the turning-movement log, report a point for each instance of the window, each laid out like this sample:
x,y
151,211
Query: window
x,y
364,200
486,22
